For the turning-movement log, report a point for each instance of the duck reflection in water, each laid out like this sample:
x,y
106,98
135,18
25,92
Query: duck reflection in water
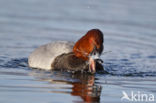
x,y
83,85
87,89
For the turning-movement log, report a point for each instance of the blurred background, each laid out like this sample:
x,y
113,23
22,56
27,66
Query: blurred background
x,y
129,27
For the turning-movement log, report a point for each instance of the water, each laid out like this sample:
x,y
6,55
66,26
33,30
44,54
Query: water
x,y
130,35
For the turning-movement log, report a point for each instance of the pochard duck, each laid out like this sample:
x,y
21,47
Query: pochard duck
x,y
69,56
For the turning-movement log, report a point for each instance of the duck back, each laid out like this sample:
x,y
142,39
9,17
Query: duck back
x,y
44,56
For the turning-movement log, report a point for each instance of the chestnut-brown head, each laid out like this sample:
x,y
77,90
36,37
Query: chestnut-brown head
x,y
90,46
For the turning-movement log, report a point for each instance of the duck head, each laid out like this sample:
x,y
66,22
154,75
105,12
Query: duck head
x,y
89,48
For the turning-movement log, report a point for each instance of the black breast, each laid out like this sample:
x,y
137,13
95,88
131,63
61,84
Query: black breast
x,y
69,62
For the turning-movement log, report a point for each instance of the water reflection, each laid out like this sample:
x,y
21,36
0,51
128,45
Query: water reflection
x,y
86,88
82,85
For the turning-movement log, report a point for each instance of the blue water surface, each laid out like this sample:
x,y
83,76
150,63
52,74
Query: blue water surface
x,y
129,28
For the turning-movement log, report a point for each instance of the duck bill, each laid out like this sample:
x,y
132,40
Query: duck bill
x,y
92,65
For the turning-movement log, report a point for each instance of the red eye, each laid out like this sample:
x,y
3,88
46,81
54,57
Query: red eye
x,y
90,41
